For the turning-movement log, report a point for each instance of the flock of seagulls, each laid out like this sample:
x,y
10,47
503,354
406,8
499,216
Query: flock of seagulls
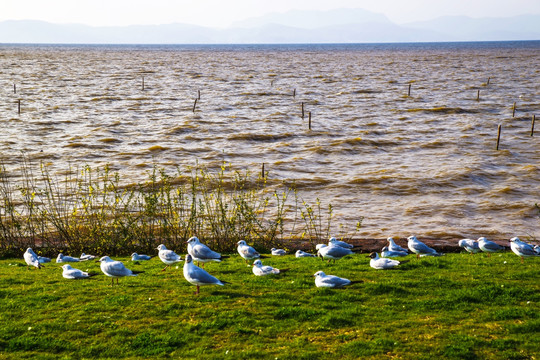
x,y
334,250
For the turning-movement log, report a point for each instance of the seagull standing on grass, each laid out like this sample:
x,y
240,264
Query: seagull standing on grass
x,y
115,269
69,272
333,252
31,259
469,245
522,249
168,257
488,246
392,246
331,281
419,248
335,242
381,263
197,276
200,252
246,251
260,270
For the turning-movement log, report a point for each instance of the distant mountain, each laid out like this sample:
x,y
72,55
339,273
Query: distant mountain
x,y
335,26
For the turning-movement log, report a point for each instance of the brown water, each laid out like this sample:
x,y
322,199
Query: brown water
x,y
424,164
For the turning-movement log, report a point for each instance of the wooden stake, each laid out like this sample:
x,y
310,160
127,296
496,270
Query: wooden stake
x,y
143,83
199,94
409,93
309,123
514,110
532,125
19,107
489,78
302,110
14,88
478,99
294,93
498,136
262,173
195,104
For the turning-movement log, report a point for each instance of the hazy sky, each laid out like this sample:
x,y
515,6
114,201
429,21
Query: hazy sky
x,y
221,13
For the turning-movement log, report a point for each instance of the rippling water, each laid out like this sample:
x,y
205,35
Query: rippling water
x,y
422,164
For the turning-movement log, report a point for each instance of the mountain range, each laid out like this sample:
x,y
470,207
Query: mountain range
x,y
334,26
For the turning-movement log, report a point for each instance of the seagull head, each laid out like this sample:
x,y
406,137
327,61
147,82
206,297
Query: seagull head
x,y
515,240
161,247
481,239
461,243
320,246
412,238
189,259
241,242
332,239
257,263
319,273
385,248
105,259
374,255
67,267
193,240
134,254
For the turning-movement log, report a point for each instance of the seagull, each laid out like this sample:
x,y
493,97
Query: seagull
x,y
331,281
72,273
43,259
197,276
336,242
488,246
387,253
278,252
115,269
392,246
381,263
333,252
169,257
470,245
31,258
300,253
200,252
419,248
260,270
246,251
64,258
86,257
522,249
137,257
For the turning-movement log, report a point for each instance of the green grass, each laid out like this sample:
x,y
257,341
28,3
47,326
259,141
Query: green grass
x,y
454,307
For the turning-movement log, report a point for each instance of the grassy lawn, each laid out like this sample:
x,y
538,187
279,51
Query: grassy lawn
x,y
453,307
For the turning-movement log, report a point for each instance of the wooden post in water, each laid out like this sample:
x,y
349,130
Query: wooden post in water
x,y
262,173
514,110
199,94
532,125
195,105
14,88
409,92
302,110
143,83
498,136
489,78
294,93
309,123
19,106
478,96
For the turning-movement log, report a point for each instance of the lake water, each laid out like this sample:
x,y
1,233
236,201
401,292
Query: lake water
x,y
423,164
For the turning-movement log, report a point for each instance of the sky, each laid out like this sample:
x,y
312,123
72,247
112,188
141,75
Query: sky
x,y
223,13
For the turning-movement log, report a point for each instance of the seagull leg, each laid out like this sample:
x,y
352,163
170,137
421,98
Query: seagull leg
x,y
165,268
522,261
197,292
418,256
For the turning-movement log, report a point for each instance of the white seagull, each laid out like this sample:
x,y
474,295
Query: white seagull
x,y
197,276
522,249
333,252
31,258
278,252
115,269
139,257
381,263
246,251
392,246
469,245
200,252
385,252
300,253
69,272
61,258
331,281
86,257
168,257
336,242
260,270
488,246
419,248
